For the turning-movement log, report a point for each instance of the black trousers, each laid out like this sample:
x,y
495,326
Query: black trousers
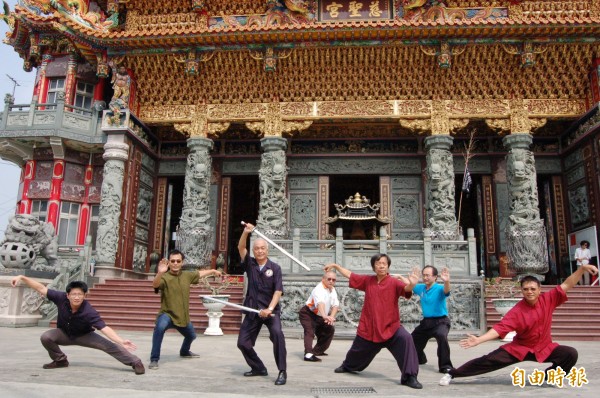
x,y
315,325
563,356
400,345
247,338
438,329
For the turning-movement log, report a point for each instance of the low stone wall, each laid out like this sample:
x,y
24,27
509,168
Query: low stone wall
x,y
20,306
465,306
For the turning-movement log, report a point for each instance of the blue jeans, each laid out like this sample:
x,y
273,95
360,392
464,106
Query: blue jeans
x,y
164,323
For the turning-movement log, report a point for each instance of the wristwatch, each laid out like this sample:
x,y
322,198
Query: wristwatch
x,y
271,309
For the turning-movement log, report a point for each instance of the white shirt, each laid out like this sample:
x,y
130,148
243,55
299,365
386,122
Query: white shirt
x,y
584,254
320,294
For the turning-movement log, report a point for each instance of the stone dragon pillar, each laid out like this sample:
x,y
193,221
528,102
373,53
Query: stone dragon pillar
x,y
195,231
107,241
195,237
273,206
526,249
441,218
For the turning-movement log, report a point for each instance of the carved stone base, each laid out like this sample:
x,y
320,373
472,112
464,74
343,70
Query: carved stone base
x,y
19,306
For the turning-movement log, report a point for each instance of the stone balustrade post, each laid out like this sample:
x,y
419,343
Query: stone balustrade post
x,y
295,248
339,245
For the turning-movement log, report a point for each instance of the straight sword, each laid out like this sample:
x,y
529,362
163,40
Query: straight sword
x,y
234,305
281,249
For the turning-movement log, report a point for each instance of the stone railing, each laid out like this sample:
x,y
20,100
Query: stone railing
x,y
460,256
465,305
67,121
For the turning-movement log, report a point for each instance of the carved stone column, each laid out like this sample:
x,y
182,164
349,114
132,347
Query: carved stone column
x,y
441,218
526,236
272,211
115,155
195,237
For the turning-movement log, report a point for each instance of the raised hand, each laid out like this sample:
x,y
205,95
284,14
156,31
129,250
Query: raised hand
x,y
163,266
329,267
248,227
414,275
592,269
445,274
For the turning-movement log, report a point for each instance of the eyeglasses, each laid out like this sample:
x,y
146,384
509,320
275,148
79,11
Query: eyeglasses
x,y
331,279
76,294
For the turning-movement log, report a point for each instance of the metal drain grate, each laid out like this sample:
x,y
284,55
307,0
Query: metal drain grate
x,y
317,391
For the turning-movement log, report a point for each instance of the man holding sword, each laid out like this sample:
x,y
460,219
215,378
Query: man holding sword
x,y
265,287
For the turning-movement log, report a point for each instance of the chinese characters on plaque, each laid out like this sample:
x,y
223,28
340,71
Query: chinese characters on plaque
x,y
354,10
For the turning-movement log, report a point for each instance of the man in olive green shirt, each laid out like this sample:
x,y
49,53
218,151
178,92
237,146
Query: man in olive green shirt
x,y
174,286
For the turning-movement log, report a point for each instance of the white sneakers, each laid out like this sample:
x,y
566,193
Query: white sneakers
x,y
446,380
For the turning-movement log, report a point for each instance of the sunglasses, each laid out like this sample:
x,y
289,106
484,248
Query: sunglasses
x,y
331,279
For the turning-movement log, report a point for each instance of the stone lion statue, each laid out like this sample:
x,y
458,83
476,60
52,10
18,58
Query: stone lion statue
x,y
25,238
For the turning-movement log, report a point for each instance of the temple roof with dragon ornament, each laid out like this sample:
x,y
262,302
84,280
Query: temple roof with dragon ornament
x,y
148,25
471,58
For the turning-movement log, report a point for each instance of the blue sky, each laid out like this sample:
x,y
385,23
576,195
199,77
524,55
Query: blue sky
x,y
12,65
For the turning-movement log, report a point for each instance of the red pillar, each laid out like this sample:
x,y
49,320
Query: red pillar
x,y
70,80
58,174
99,89
84,216
25,203
43,86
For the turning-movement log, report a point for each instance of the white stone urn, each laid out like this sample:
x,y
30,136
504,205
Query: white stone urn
x,y
503,305
214,314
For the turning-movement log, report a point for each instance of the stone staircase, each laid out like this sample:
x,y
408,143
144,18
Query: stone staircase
x,y
127,304
576,320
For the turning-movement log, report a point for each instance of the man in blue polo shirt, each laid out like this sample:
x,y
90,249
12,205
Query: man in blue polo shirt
x,y
435,322
265,288
76,322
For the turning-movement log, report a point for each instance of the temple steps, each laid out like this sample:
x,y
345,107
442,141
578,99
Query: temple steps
x,y
126,304
576,320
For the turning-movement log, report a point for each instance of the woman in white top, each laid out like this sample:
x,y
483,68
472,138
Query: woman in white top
x,y
583,257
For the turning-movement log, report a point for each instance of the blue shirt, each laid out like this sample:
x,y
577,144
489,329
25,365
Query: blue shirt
x,y
433,300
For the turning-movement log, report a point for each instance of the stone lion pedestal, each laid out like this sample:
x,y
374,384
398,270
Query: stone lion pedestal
x,y
20,306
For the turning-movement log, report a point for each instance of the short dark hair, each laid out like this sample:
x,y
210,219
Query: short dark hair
x,y
77,285
379,256
434,270
584,241
530,278
176,252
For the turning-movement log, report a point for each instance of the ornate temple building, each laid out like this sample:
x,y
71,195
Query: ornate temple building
x,y
153,121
